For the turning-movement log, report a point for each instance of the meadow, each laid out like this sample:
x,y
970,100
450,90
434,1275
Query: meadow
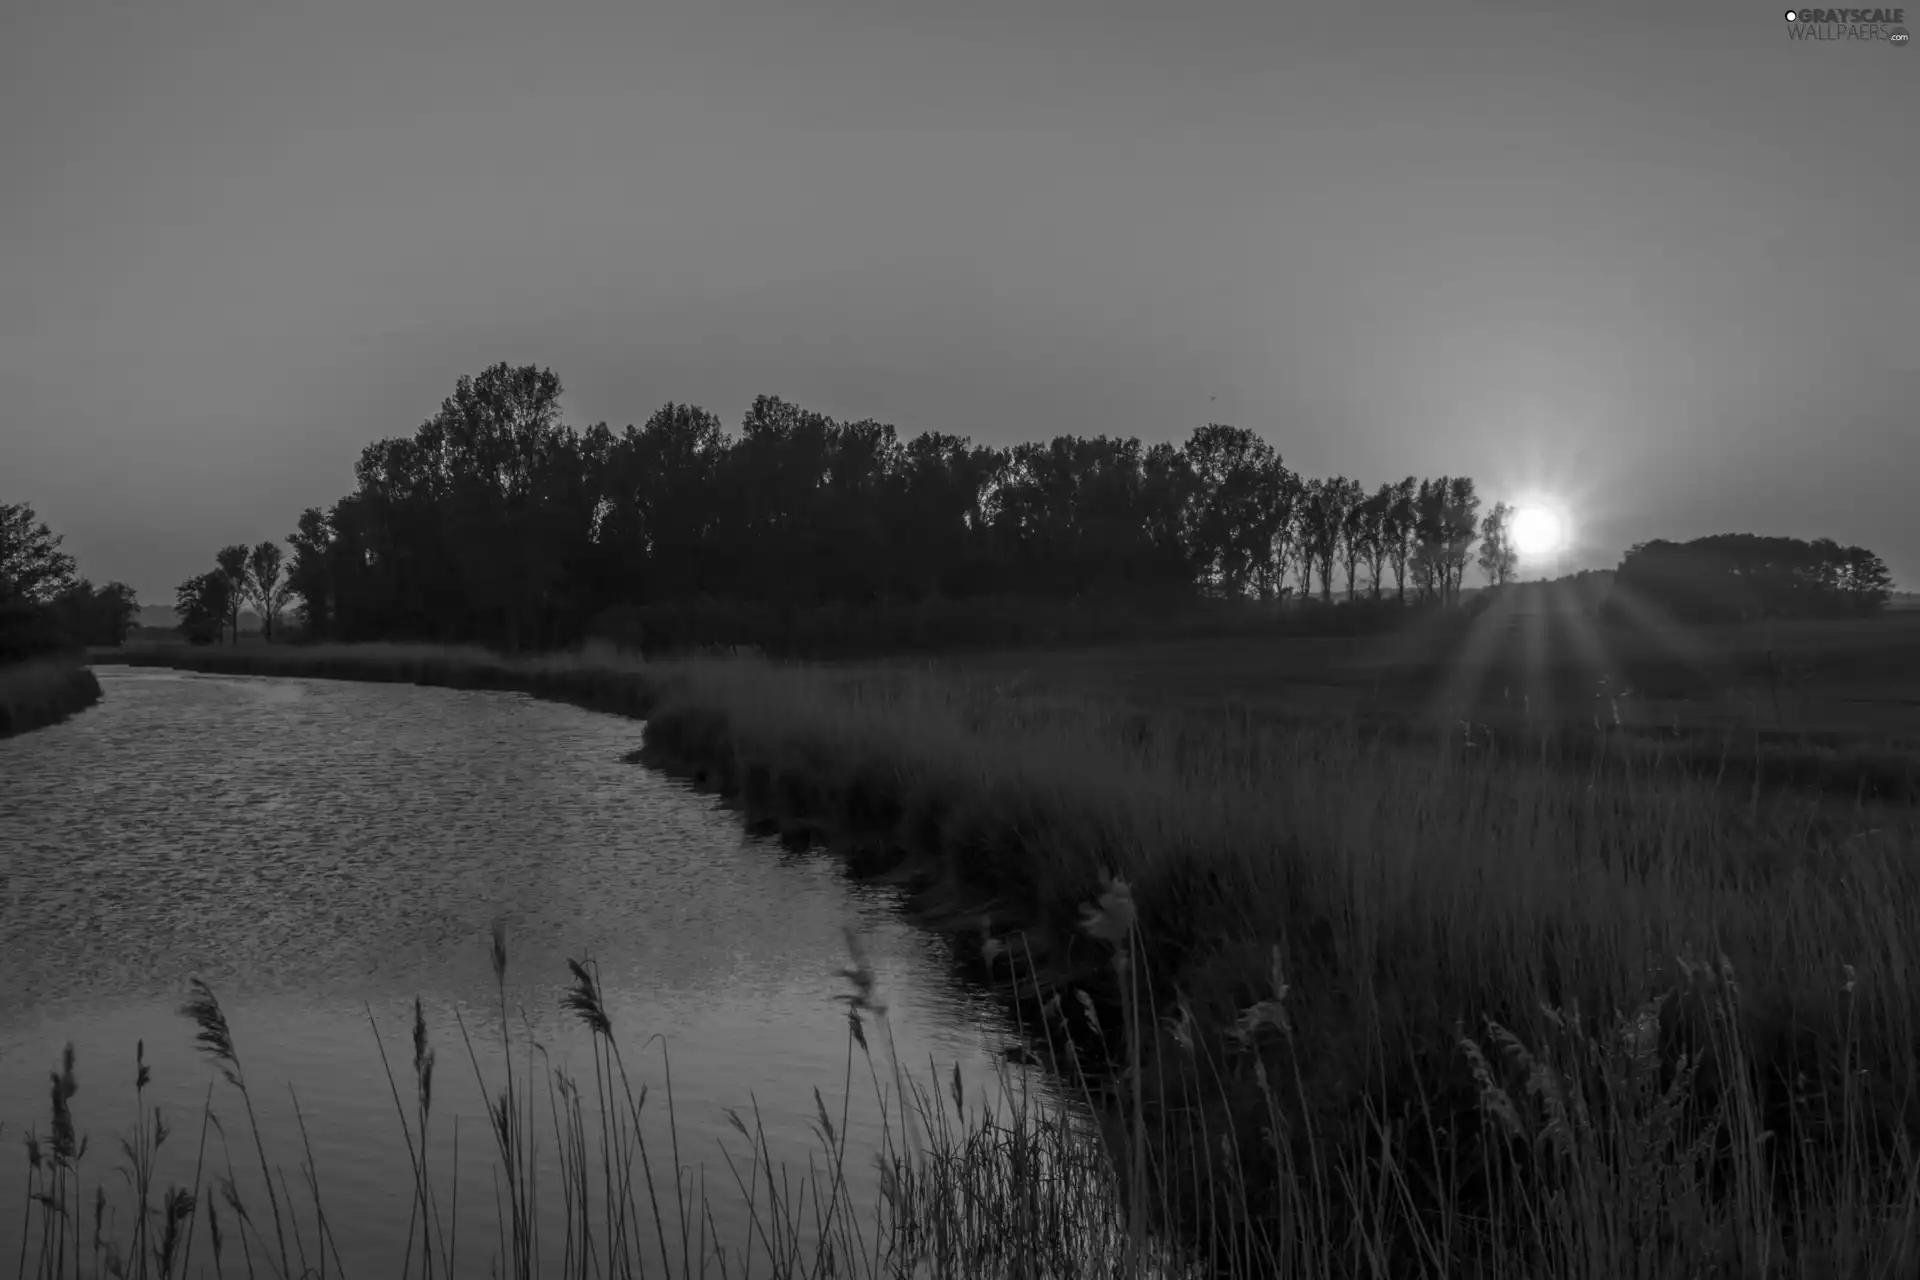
x,y
1829,705
1859,675
1349,1005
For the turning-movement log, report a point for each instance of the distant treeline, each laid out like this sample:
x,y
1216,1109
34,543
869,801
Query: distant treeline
x,y
495,522
1736,577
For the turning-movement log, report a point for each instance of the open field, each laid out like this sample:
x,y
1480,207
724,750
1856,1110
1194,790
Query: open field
x,y
1829,705
1858,676
44,691
1374,1009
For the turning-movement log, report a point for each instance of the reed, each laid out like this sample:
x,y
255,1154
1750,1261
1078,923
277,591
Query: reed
x,y
1611,1165
44,691
1408,896
949,1193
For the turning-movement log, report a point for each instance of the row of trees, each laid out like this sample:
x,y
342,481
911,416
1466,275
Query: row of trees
x,y
209,603
44,603
1735,577
496,522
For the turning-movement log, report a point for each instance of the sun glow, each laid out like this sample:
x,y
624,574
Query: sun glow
x,y
1538,530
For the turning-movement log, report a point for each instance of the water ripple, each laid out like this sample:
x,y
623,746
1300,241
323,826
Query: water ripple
x,y
316,848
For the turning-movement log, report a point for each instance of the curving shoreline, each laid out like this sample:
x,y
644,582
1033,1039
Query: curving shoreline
x,y
43,692
688,735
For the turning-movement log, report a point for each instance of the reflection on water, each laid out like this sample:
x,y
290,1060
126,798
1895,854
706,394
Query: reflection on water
x,y
322,852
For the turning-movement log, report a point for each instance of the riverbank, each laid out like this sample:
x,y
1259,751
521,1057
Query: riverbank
x,y
44,691
1346,1026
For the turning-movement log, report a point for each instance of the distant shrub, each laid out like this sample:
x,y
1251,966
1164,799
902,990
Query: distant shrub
x,y
1741,577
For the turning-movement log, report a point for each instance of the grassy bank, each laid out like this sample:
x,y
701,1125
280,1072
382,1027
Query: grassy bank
x,y
44,691
1360,1009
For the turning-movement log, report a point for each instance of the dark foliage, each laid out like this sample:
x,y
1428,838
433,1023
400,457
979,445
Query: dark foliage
x,y
44,608
496,523
94,615
1737,577
28,630
32,566
203,603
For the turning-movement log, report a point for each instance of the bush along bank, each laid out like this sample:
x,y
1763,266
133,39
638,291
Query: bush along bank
x,y
1354,1010
44,691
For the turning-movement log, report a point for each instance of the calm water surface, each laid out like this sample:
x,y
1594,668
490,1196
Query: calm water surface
x,y
319,851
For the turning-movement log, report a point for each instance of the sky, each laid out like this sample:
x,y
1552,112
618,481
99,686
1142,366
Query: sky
x,y
1654,263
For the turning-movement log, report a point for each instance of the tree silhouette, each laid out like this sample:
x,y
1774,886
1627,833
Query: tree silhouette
x,y
1400,531
232,562
1350,504
495,522
1242,496
309,573
1322,511
265,588
1460,514
1741,577
1372,532
1498,559
32,566
201,602
94,615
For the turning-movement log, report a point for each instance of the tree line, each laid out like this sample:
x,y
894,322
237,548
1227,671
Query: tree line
x,y
209,604
45,606
495,522
1737,577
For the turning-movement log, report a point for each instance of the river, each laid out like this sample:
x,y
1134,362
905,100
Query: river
x,y
319,851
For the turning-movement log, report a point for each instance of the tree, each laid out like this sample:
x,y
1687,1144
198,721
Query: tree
x,y
1242,497
1498,559
495,522
1733,577
1428,560
1445,527
1374,533
202,605
1351,501
32,566
480,461
232,563
309,576
96,615
1322,515
1400,526
1864,583
265,588
1460,521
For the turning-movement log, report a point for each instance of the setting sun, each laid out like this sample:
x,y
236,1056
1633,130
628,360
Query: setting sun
x,y
1538,531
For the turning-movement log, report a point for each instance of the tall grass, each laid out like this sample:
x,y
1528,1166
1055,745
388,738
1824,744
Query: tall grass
x,y
1416,902
1345,1007
44,691
1002,1186
1609,1165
